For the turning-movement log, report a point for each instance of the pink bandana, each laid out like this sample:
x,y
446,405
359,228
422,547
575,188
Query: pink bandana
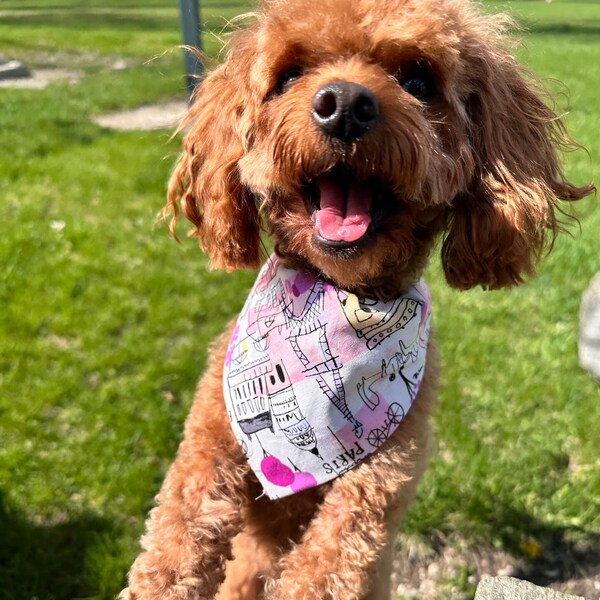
x,y
316,378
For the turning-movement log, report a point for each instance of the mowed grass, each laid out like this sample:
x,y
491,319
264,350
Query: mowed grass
x,y
105,322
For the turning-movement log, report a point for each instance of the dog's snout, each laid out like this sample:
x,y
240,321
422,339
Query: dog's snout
x,y
345,110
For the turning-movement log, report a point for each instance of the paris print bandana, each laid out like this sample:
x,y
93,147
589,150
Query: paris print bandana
x,y
316,378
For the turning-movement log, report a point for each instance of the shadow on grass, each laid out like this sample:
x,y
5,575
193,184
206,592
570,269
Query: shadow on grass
x,y
564,553
47,561
547,554
588,29
85,21
117,21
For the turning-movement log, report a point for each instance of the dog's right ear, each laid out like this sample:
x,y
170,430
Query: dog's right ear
x,y
206,182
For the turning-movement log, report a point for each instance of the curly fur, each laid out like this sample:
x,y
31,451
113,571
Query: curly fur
x,y
477,165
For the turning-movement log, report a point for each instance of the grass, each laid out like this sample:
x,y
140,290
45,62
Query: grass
x,y
105,322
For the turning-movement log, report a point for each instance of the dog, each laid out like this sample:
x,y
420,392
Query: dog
x,y
356,134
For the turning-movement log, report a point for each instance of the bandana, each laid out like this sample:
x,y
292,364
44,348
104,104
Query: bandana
x,y
316,379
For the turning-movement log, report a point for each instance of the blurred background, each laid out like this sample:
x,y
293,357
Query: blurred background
x,y
105,321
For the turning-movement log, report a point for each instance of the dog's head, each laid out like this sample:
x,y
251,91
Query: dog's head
x,y
357,131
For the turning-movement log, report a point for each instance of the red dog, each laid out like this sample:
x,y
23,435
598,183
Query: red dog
x,y
355,133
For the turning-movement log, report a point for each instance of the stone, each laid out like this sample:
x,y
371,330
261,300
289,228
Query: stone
x,y
589,328
13,69
508,588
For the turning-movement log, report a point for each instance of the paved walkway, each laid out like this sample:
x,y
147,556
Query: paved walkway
x,y
41,78
156,116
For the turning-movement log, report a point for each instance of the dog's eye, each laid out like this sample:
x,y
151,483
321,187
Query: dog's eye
x,y
418,81
287,79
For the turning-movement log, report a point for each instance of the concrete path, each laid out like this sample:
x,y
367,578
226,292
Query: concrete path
x,y
159,116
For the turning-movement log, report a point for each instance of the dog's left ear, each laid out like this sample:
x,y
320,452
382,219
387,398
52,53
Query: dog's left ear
x,y
206,183
499,227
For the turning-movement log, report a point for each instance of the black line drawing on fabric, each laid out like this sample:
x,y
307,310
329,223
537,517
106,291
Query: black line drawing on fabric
x,y
266,315
244,446
310,344
265,453
275,309
286,411
374,321
396,370
249,397
346,459
262,396
378,435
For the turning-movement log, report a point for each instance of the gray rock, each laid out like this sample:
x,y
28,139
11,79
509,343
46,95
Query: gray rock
x,y
589,328
508,588
13,69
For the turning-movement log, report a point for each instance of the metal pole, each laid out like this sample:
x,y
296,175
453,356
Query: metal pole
x,y
190,30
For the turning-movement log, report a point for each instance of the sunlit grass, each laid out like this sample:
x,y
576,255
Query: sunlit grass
x,y
105,322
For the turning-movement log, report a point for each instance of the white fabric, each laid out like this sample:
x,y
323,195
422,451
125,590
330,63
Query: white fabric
x,y
316,378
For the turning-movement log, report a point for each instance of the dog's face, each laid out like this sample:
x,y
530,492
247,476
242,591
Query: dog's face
x,y
357,131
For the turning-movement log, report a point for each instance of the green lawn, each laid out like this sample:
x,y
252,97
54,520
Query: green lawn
x,y
104,321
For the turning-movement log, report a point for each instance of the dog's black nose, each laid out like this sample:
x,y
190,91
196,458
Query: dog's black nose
x,y
344,110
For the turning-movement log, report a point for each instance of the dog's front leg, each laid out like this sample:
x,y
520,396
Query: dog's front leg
x,y
189,533
188,538
345,551
199,509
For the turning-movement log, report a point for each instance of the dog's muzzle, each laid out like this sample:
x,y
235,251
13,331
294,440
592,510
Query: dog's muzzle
x,y
344,110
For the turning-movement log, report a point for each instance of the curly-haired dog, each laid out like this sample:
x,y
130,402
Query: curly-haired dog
x,y
353,132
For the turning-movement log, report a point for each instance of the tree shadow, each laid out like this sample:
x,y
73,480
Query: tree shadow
x,y
547,554
588,29
565,553
118,20
47,561
82,20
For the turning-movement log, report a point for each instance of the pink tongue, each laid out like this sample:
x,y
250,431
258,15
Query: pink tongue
x,y
344,213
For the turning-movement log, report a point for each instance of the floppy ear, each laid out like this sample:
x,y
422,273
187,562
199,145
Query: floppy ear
x,y
206,182
499,227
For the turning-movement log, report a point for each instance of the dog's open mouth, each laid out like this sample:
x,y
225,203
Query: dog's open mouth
x,y
345,211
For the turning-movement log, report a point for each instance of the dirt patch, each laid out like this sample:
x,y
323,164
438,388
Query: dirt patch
x,y
452,572
152,117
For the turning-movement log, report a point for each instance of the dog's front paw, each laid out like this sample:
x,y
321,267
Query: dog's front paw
x,y
188,589
151,579
297,589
